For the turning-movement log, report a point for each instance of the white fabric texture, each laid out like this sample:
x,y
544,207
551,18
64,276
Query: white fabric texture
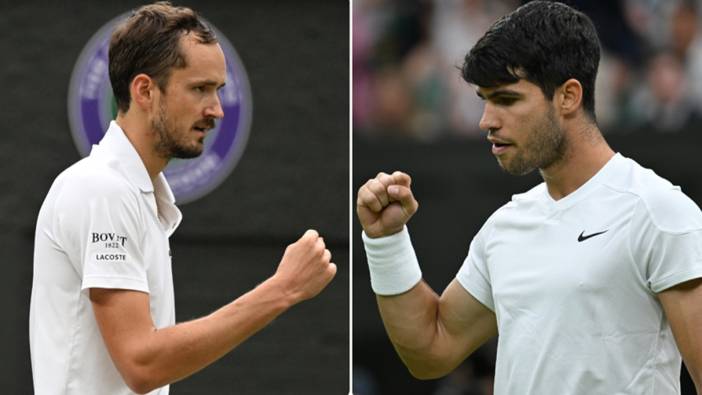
x,y
392,263
573,284
103,224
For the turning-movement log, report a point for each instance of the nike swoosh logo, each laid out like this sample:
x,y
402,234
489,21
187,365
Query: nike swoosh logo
x,y
583,237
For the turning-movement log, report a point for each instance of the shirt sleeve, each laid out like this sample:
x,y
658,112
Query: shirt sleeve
x,y
101,217
666,239
474,275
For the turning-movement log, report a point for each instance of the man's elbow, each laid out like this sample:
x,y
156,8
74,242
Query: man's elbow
x,y
429,368
140,379
695,373
140,384
140,388
698,383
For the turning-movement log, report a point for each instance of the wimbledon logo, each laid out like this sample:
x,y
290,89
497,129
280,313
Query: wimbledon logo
x,y
91,107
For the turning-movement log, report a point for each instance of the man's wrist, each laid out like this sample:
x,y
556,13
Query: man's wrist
x,y
283,295
392,263
385,233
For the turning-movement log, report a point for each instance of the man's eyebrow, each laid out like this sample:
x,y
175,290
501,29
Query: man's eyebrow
x,y
499,93
210,83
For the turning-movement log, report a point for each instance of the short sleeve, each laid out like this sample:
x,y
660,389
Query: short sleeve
x,y
473,274
101,217
666,239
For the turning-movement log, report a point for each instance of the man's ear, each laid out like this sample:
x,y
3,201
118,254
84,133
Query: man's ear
x,y
569,97
142,90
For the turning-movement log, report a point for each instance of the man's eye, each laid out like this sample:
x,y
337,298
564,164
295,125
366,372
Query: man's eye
x,y
200,89
505,101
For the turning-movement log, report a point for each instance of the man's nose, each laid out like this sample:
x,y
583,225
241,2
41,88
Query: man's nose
x,y
489,119
214,110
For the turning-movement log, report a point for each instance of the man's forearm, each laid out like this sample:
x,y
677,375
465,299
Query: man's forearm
x,y
410,320
695,373
149,357
170,354
434,334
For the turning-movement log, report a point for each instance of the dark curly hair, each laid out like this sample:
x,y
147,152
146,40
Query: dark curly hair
x,y
543,42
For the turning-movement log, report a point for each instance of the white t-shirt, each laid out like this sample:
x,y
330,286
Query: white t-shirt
x,y
103,224
573,284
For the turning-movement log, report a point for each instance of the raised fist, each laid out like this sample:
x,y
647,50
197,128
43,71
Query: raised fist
x,y
306,267
385,204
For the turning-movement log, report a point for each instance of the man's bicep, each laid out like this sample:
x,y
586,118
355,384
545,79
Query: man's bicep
x,y
465,322
683,309
124,319
110,237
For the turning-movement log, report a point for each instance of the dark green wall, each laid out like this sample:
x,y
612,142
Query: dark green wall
x,y
292,176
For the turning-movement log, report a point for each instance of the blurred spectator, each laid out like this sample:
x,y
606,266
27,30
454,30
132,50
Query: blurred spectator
x,y
407,54
457,26
686,42
665,103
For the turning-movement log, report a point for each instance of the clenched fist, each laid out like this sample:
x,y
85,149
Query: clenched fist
x,y
306,267
385,204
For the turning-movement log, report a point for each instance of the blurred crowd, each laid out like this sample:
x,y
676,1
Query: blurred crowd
x,y
407,56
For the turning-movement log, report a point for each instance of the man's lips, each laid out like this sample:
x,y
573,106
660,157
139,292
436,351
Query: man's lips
x,y
497,150
204,126
499,145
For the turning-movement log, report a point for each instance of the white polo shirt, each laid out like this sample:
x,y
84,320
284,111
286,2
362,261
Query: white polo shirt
x,y
573,284
103,224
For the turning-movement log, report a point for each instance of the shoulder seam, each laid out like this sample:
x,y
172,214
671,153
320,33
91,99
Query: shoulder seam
x,y
650,216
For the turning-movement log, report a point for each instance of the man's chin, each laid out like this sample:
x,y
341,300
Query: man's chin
x,y
515,169
188,153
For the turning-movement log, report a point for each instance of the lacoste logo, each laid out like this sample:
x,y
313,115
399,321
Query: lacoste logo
x,y
584,237
110,257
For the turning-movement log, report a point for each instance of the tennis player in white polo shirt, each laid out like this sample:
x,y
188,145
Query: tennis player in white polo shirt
x,y
102,317
591,279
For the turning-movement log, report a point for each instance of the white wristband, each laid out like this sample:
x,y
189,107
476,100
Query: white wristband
x,y
393,265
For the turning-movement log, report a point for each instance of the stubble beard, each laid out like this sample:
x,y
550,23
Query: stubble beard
x,y
545,146
168,146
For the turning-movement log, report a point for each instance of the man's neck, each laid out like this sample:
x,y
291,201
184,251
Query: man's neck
x,y
142,138
586,153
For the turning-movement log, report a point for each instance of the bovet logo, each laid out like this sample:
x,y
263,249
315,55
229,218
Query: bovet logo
x,y
91,107
109,237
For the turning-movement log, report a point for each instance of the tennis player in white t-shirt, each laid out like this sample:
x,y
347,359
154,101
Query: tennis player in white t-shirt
x,y
592,279
102,316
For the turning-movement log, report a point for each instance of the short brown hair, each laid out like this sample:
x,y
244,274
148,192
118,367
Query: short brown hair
x,y
148,42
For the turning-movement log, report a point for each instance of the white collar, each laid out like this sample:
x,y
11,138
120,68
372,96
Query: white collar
x,y
605,173
117,146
